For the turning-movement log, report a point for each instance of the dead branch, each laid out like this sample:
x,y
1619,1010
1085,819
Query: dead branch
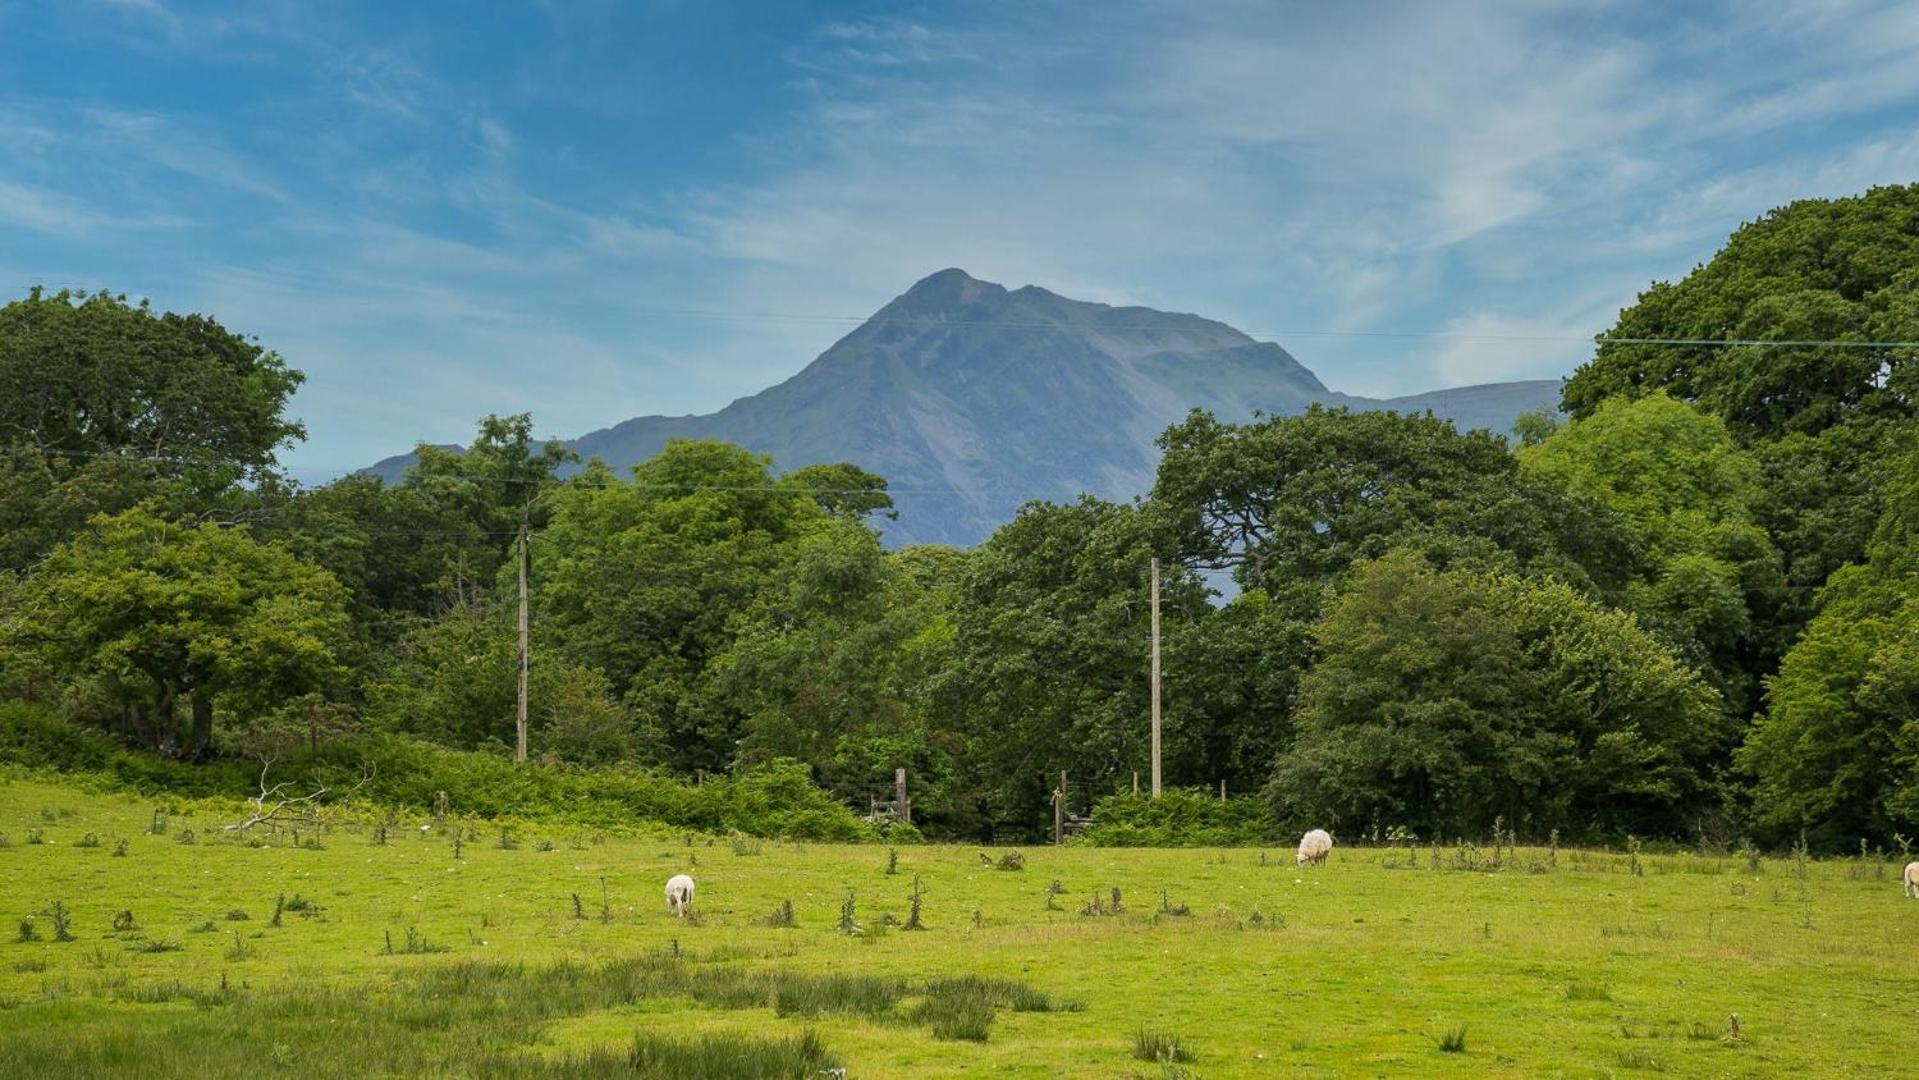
x,y
288,810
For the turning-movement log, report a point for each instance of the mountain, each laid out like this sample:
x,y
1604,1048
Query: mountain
x,y
972,399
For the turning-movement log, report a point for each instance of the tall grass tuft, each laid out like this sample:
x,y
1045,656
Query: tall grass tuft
x,y
1162,1047
1454,1040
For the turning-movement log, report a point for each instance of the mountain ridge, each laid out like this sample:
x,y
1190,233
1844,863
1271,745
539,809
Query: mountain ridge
x,y
972,399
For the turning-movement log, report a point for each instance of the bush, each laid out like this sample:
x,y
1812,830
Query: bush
x,y
775,799
1180,817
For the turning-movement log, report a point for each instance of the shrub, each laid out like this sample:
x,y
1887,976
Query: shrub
x,y
775,799
1180,817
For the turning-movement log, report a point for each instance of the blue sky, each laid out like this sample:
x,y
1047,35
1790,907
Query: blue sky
x,y
587,210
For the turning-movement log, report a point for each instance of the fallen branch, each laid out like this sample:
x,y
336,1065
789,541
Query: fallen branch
x,y
288,809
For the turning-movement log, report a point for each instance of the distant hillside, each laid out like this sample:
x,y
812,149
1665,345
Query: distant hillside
x,y
972,399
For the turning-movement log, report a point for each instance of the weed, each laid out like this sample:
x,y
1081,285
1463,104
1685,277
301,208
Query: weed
x,y
913,914
1012,860
159,825
847,922
88,841
979,919
507,841
1162,1047
579,912
742,844
1587,992
239,950
1118,904
1454,1040
543,844
36,836
1167,907
458,845
120,848
279,906
62,921
157,946
416,944
236,915
186,837
5,840
782,916
206,926
1636,1057
124,923
1632,856
379,837
28,931
892,860
606,908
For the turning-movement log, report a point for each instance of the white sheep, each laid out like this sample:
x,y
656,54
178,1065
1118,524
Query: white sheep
x,y
1912,880
1314,846
679,894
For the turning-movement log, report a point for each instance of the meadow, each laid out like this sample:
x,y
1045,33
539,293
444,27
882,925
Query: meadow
x,y
375,947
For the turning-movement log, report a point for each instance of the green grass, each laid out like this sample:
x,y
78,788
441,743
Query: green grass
x,y
1362,966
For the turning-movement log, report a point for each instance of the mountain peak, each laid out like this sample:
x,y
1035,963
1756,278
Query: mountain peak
x,y
943,293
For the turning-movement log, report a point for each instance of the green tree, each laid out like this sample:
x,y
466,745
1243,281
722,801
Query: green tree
x,y
1707,579
1837,752
645,581
1445,698
491,489
453,680
845,490
828,669
1299,498
1049,660
1816,415
151,614
105,405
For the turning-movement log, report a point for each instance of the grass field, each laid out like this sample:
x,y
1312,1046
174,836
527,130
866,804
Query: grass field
x,y
399,959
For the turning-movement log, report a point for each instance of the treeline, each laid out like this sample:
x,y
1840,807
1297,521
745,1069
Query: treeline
x,y
1687,605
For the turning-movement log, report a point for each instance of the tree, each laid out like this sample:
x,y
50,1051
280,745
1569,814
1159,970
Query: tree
x,y
1049,657
1707,579
845,490
88,374
828,669
1299,498
644,582
105,405
1837,752
492,488
152,612
452,681
1443,699
1816,415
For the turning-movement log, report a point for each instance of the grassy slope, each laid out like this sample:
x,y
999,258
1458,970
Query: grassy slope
x,y
1374,960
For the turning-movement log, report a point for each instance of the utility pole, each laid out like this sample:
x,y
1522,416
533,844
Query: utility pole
x,y
1156,678
519,747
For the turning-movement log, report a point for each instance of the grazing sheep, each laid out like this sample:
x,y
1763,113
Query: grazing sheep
x,y
1314,846
1912,880
679,894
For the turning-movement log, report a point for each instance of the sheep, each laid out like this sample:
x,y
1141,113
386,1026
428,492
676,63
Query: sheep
x,y
1314,846
1912,880
679,895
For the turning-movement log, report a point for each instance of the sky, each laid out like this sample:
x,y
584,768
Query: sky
x,y
593,211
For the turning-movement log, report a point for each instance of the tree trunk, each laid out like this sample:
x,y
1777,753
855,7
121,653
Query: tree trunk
x,y
200,740
161,726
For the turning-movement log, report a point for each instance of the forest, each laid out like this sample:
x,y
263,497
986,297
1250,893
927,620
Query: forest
x,y
1684,606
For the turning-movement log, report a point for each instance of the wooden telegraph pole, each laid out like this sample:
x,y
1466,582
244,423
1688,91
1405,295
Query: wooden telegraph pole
x,y
519,746
1155,678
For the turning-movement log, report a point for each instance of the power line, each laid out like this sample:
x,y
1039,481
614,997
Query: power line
x,y
857,321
